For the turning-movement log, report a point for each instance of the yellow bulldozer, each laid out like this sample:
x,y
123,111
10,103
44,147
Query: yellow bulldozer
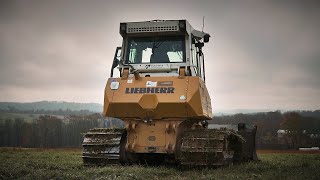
x,y
157,88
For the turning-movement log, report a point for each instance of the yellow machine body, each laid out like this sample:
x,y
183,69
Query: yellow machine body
x,y
153,109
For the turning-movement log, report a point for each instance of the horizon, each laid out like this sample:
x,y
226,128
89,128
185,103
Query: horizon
x,y
215,111
262,55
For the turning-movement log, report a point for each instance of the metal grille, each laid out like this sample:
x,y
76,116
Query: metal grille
x,y
152,29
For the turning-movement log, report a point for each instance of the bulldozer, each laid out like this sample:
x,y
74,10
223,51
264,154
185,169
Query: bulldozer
x,y
157,88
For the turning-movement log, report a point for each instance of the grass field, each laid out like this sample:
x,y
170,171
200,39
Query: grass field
x,y
67,164
26,117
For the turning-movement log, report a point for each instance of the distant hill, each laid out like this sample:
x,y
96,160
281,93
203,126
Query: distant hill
x,y
50,106
221,112
305,113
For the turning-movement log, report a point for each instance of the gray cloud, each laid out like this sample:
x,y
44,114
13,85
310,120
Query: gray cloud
x,y
263,54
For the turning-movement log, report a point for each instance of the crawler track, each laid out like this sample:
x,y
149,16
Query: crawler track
x,y
208,147
101,146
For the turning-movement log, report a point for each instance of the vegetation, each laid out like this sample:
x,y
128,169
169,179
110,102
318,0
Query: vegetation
x,y
61,124
48,131
67,164
302,127
20,129
48,106
12,116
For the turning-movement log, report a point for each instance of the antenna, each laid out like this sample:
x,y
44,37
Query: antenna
x,y
202,23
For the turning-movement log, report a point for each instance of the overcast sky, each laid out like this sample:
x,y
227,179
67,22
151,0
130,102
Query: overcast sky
x,y
262,54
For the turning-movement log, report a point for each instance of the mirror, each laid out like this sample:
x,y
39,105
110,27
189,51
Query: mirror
x,y
206,38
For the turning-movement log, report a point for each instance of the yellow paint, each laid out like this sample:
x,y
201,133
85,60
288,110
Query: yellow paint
x,y
153,119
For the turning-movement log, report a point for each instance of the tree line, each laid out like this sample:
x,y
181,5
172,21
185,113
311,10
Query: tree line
x,y
298,129
48,131
289,130
49,106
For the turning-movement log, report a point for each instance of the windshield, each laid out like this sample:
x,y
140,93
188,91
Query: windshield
x,y
156,50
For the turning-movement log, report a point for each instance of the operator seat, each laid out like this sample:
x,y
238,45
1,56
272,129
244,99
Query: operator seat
x,y
159,57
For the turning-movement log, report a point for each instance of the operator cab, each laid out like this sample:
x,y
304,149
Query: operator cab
x,y
160,48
